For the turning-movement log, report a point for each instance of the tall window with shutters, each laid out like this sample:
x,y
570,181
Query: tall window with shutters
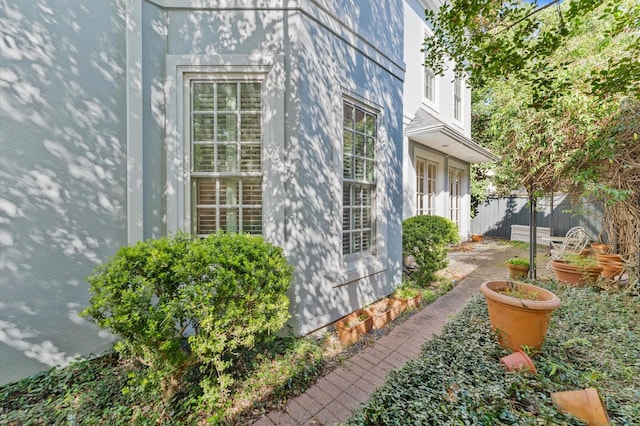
x,y
359,179
225,123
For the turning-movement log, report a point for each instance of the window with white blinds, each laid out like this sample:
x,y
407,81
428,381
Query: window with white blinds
x,y
359,179
226,151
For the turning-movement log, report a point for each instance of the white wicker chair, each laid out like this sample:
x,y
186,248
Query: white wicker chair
x,y
575,241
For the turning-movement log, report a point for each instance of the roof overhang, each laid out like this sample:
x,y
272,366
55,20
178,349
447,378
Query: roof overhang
x,y
429,131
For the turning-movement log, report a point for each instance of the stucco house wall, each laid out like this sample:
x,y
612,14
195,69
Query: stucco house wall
x,y
95,149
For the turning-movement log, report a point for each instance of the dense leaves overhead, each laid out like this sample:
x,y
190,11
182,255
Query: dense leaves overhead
x,y
557,96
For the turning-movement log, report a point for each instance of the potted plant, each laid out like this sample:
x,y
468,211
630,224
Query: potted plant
x,y
519,313
384,311
518,267
408,296
350,327
576,269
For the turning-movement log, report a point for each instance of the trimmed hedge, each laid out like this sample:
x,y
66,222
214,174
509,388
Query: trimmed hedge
x,y
426,238
179,301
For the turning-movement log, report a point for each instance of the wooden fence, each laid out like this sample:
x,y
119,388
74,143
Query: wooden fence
x,y
495,216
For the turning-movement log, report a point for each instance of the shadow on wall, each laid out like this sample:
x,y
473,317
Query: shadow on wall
x,y
328,68
62,172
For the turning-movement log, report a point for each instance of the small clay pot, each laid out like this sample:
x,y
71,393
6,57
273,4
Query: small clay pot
x,y
518,360
585,404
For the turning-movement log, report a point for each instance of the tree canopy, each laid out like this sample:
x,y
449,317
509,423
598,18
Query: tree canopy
x,y
556,95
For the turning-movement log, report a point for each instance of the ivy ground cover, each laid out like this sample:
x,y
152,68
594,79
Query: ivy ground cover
x,y
593,341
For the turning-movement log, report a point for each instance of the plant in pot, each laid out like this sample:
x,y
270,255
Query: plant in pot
x,y
519,313
384,311
575,269
408,296
518,267
350,327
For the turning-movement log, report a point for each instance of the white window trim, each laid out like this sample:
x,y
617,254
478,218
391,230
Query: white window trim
x,y
440,208
458,120
431,103
357,266
465,201
179,68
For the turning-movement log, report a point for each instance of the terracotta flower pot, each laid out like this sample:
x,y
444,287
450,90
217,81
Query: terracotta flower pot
x,y
608,258
572,274
384,311
585,404
349,328
410,302
476,238
600,248
518,361
517,271
611,269
519,322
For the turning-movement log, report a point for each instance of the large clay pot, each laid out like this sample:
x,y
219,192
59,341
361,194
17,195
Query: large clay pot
x,y
585,404
611,269
575,275
519,322
517,271
600,248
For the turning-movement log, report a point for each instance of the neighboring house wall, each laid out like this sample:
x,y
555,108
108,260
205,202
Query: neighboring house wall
x,y
437,149
99,129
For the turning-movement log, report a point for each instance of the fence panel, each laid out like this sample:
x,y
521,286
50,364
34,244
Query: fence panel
x,y
495,216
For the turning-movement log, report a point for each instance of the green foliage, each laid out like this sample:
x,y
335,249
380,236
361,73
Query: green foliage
x,y
178,302
96,392
426,238
518,261
406,292
593,341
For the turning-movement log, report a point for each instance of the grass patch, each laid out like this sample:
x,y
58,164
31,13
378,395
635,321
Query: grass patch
x,y
593,341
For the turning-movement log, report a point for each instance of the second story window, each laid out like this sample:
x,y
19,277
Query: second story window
x,y
429,85
457,99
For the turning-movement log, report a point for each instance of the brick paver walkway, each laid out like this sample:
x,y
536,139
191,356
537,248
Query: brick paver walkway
x,y
335,397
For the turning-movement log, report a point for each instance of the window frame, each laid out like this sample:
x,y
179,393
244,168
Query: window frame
x,y
455,202
429,76
236,177
457,99
425,179
353,183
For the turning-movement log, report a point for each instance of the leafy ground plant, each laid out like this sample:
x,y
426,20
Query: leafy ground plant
x,y
593,341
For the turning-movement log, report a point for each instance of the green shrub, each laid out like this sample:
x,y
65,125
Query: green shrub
x,y
426,238
178,302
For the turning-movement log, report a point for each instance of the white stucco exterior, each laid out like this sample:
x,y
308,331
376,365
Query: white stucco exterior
x,y
431,132
94,151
